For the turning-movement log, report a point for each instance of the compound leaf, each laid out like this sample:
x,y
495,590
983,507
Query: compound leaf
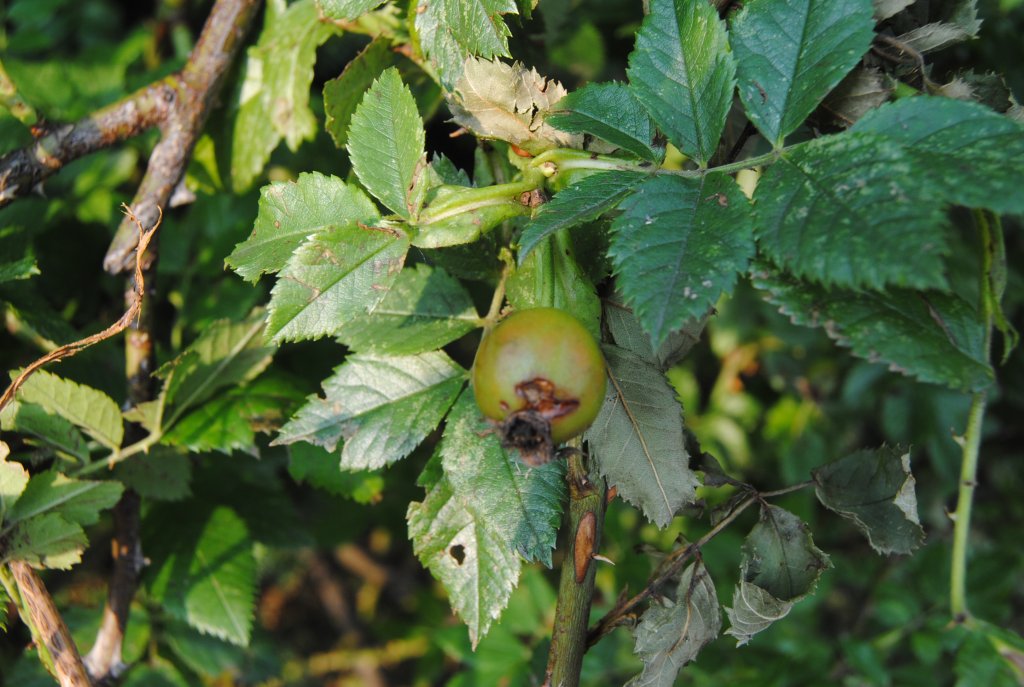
x,y
683,73
382,406
637,438
677,246
791,53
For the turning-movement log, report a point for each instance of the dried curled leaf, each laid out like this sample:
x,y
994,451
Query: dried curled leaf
x,y
509,102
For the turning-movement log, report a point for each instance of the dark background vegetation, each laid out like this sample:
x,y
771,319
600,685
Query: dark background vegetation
x,y
339,580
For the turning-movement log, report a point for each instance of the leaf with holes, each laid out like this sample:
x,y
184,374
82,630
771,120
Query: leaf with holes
x,y
683,73
875,490
843,210
637,439
292,211
341,272
524,504
935,337
465,550
791,53
382,406
678,246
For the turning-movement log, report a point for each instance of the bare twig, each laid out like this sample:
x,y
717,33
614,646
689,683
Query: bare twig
x,y
38,603
625,609
177,104
134,306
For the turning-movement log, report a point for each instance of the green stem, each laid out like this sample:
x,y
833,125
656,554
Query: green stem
x,y
576,587
560,160
971,441
962,518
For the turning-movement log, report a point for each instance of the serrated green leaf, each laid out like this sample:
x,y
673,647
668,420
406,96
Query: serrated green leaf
x,y
584,201
203,569
781,565
678,246
343,93
671,632
875,490
683,73
229,422
22,268
509,102
853,210
161,474
225,354
13,480
57,432
611,112
466,551
627,332
551,278
274,98
452,30
79,501
637,438
46,541
525,504
424,310
386,143
346,9
319,467
292,211
791,53
209,656
341,272
83,406
935,337
974,155
382,407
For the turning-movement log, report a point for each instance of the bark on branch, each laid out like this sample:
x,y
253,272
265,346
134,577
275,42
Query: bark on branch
x,y
177,104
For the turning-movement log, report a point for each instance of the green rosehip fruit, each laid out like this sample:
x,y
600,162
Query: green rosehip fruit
x,y
541,375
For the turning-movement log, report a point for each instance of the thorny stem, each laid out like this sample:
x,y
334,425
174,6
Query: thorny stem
x,y
971,441
11,587
576,586
623,612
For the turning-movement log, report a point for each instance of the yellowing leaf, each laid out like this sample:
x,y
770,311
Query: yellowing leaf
x,y
509,102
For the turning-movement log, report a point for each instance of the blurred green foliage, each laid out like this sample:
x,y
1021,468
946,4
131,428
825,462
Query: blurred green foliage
x,y
338,578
